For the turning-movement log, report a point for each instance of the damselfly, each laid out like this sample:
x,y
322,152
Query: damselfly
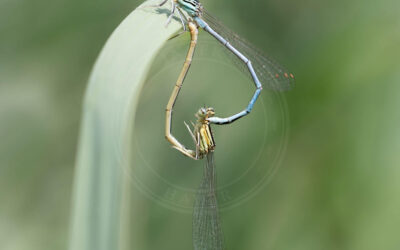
x,y
261,68
207,231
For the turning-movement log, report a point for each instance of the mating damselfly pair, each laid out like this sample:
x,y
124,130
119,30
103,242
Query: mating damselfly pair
x,y
263,71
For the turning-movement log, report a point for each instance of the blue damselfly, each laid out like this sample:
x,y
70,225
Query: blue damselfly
x,y
263,70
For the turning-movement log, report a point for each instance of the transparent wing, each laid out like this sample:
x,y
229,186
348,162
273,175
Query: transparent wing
x,y
207,231
270,73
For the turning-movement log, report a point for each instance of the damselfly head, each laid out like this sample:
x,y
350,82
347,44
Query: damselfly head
x,y
205,113
210,112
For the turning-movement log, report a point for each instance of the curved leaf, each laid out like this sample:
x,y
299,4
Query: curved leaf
x,y
109,111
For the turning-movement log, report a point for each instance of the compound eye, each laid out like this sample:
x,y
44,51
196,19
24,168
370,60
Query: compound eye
x,y
210,112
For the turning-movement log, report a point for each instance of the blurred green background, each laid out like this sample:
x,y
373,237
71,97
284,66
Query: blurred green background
x,y
337,186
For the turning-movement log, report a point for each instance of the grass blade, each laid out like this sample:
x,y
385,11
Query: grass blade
x,y
108,115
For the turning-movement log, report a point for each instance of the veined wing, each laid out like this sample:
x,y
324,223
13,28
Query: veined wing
x,y
270,73
207,231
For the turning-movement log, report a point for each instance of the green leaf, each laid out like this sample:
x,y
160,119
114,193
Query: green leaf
x,y
109,111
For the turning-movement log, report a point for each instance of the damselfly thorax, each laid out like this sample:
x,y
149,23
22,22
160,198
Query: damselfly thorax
x,y
192,7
